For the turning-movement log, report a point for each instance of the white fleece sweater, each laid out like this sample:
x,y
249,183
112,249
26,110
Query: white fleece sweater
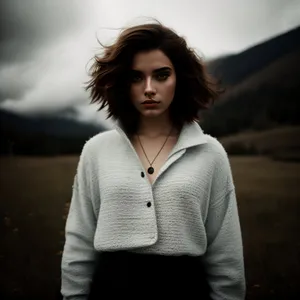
x,y
194,210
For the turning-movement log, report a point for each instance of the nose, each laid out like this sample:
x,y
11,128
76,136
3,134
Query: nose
x,y
149,89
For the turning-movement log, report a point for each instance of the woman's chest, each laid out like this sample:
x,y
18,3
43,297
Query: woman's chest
x,y
183,177
153,156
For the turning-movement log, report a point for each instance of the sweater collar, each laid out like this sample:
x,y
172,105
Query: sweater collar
x,y
191,135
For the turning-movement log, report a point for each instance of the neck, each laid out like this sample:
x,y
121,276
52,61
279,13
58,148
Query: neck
x,y
155,127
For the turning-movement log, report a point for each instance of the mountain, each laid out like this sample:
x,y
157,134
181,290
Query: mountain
x,y
262,87
43,135
232,69
49,125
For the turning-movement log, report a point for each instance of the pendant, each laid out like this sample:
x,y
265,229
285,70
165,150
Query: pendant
x,y
150,170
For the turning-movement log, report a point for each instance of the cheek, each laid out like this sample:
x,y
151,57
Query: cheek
x,y
170,87
134,93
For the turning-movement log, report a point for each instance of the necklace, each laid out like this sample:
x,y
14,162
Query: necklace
x,y
151,169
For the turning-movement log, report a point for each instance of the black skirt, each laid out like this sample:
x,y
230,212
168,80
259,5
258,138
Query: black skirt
x,y
138,276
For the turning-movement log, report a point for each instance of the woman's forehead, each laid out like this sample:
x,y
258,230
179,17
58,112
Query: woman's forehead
x,y
150,61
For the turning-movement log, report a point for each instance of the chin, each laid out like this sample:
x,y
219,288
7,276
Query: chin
x,y
151,113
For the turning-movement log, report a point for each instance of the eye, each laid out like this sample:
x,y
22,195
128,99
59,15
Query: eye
x,y
135,76
162,76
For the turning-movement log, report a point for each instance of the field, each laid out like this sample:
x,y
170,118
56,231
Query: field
x,y
280,143
34,196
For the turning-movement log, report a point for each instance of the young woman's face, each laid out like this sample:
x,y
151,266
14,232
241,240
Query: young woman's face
x,y
152,83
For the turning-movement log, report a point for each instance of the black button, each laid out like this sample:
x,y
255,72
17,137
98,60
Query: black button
x,y
149,204
142,174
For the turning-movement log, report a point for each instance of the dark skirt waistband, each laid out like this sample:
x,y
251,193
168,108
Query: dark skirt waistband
x,y
123,273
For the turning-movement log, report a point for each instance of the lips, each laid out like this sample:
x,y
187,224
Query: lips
x,y
150,102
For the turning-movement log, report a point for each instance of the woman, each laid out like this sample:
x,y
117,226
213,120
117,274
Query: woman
x,y
153,209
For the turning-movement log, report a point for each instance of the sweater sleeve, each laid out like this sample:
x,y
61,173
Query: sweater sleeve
x,y
224,256
79,256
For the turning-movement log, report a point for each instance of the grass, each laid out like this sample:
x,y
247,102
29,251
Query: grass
x,y
268,195
280,143
35,193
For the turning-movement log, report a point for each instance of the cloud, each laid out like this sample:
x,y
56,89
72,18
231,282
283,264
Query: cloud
x,y
51,78
31,25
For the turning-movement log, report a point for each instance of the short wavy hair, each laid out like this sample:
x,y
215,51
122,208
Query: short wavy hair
x,y
109,83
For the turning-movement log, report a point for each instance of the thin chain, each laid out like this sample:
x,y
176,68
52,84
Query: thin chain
x,y
158,151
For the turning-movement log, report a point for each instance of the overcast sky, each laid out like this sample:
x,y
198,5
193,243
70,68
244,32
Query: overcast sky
x,y
45,45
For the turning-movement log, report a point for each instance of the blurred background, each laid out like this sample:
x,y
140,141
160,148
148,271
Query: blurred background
x,y
253,47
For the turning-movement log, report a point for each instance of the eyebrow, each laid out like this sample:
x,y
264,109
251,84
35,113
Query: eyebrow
x,y
156,70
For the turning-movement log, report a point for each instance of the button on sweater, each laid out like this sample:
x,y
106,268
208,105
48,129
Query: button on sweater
x,y
190,209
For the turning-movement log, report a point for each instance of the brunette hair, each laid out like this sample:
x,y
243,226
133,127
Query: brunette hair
x,y
109,82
